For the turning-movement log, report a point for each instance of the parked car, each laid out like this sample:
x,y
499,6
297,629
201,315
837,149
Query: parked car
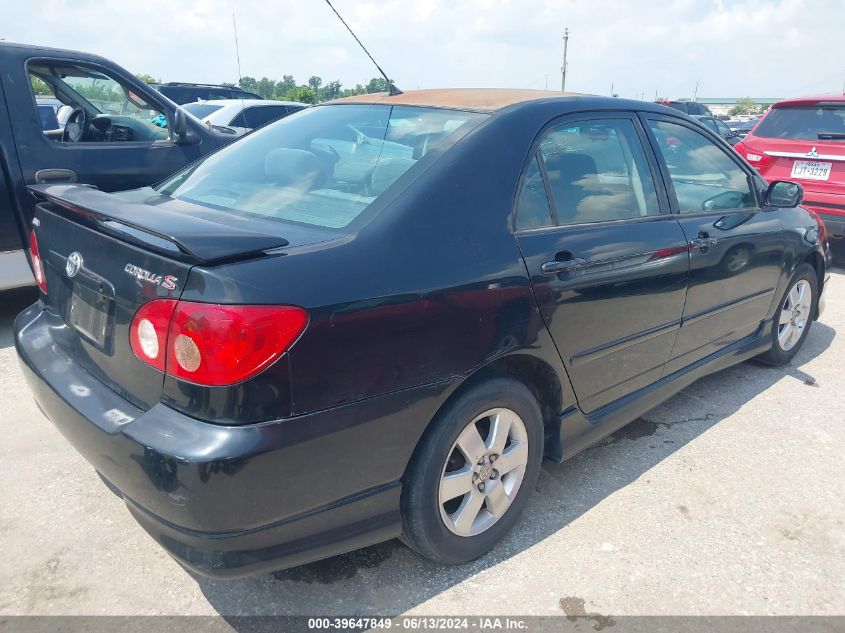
x,y
803,140
241,115
719,128
97,127
181,92
688,107
743,127
376,317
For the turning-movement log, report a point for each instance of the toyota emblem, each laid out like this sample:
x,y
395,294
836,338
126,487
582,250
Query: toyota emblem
x,y
74,264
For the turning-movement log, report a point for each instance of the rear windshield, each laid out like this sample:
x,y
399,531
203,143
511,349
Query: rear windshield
x,y
807,123
201,110
321,166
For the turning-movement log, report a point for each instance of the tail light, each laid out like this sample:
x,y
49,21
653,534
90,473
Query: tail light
x,y
210,344
148,333
37,263
758,160
822,227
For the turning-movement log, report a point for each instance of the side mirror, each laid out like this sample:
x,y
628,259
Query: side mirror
x,y
180,125
784,194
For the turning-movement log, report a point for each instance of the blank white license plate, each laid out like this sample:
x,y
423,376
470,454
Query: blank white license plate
x,y
811,170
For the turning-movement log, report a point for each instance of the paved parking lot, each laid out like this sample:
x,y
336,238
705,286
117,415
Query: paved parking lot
x,y
728,499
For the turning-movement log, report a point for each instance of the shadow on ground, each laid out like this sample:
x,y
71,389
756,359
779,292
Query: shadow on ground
x,y
364,582
12,302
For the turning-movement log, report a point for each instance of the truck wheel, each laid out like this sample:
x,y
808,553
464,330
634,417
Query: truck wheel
x,y
473,472
794,316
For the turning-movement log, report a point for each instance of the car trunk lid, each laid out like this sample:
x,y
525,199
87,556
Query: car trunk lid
x,y
104,256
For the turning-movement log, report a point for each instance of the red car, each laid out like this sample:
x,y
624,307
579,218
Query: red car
x,y
803,139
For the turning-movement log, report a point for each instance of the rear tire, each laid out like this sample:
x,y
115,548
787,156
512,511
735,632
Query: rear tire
x,y
794,316
455,509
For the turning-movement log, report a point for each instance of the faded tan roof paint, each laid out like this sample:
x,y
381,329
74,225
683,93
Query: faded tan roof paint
x,y
468,98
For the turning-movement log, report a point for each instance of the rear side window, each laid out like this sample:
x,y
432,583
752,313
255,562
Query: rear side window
x,y
532,209
322,167
819,123
597,171
201,110
257,116
704,177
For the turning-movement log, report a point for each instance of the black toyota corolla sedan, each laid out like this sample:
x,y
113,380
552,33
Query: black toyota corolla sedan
x,y
375,317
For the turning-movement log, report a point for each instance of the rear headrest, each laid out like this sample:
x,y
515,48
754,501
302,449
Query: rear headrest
x,y
572,167
387,170
285,166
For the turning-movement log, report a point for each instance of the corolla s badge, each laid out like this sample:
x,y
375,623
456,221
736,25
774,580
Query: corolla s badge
x,y
812,153
168,282
73,264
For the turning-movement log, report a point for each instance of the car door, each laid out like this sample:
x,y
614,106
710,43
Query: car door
x,y
736,247
111,163
607,260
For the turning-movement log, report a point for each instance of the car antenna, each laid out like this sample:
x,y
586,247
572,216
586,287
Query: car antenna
x,y
238,56
392,90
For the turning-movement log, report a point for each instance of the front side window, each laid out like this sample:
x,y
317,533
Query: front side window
x,y
722,129
704,177
322,167
597,171
102,109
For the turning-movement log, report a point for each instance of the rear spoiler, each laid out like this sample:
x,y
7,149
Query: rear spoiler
x,y
182,235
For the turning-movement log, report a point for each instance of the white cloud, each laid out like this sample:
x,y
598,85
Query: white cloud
x,y
731,47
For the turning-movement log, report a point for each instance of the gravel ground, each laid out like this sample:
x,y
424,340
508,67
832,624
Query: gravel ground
x,y
727,499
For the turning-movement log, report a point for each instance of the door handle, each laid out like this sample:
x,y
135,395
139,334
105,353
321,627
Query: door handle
x,y
46,176
562,266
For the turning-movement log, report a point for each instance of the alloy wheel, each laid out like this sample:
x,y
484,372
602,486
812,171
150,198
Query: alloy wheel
x,y
483,472
794,314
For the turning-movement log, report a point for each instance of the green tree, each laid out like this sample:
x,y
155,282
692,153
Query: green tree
x,y
147,79
330,91
284,86
248,83
228,84
266,87
352,92
303,94
743,106
39,87
377,84
315,82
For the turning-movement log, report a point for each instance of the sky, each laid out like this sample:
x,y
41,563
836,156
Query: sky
x,y
639,48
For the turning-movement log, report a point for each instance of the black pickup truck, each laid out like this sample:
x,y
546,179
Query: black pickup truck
x,y
117,133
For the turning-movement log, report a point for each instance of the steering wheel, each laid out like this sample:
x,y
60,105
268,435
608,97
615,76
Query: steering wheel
x,y
77,126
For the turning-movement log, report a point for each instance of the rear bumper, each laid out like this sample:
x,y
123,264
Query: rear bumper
x,y
229,501
831,208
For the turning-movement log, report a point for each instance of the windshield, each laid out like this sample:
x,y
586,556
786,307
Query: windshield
x,y
201,110
807,123
321,166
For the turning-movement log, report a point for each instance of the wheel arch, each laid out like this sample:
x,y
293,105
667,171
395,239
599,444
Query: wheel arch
x,y
816,260
535,373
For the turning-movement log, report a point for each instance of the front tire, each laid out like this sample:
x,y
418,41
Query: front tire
x,y
473,472
793,317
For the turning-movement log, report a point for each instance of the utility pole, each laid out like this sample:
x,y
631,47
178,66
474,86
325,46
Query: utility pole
x,y
563,65
695,94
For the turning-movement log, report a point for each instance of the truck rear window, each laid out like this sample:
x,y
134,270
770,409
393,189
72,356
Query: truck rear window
x,y
321,166
807,123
